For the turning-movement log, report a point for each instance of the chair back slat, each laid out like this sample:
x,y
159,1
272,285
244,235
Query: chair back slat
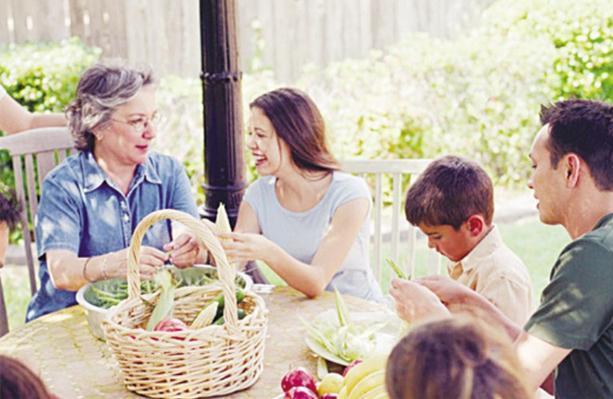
x,y
30,183
61,155
400,171
37,140
25,225
33,155
45,161
411,244
378,218
396,203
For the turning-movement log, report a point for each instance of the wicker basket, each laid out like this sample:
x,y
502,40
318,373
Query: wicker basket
x,y
211,361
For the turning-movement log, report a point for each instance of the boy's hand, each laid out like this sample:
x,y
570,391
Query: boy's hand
x,y
415,302
449,291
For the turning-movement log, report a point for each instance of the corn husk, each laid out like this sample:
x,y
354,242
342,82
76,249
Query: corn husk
x,y
222,222
166,300
206,316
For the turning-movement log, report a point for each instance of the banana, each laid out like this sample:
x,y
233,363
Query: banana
x,y
368,384
360,371
342,393
379,392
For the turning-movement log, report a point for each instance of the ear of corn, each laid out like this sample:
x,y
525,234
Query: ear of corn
x,y
222,222
206,316
166,300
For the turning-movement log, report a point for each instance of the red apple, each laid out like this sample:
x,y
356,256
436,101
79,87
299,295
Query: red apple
x,y
300,393
298,377
329,396
350,365
170,325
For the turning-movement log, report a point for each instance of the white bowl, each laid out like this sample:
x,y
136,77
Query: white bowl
x,y
96,314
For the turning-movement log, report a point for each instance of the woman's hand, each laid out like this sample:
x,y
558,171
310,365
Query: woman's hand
x,y
150,260
243,247
184,250
415,302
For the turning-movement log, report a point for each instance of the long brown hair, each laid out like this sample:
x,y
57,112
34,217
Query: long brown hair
x,y
18,381
460,358
298,122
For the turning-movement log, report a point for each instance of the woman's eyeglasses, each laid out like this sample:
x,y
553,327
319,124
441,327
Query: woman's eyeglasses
x,y
141,124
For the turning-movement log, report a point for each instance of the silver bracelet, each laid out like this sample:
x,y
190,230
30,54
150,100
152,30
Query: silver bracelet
x,y
105,276
85,269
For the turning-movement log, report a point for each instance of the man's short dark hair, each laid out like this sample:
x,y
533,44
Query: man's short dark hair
x,y
448,192
585,128
9,209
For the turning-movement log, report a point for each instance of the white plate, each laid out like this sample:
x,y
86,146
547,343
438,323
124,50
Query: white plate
x,y
385,339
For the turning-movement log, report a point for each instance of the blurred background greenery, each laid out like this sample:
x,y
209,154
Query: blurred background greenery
x,y
477,95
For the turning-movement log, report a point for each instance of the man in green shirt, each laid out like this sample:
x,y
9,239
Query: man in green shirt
x,y
571,332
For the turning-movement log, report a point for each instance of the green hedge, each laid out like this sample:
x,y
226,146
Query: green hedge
x,y
581,33
477,95
41,77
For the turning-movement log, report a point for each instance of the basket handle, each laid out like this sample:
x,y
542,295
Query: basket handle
x,y
206,238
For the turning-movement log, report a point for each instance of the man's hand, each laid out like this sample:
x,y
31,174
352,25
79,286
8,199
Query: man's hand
x,y
449,291
415,302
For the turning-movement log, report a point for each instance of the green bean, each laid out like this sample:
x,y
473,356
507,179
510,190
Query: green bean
x,y
399,272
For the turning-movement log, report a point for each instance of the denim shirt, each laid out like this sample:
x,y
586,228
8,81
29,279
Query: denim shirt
x,y
83,211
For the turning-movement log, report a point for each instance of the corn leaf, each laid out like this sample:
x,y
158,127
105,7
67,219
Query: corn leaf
x,y
319,336
166,300
399,272
341,310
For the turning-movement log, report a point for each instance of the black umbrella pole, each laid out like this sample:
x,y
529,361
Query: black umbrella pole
x,y
224,165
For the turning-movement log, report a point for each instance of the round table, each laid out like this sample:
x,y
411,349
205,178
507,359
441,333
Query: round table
x,y
74,364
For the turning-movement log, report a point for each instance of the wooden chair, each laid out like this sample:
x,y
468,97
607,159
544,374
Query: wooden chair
x,y
379,172
34,153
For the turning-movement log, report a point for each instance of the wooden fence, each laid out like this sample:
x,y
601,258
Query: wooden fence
x,y
284,35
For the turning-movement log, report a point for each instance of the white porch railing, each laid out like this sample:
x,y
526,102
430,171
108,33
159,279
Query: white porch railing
x,y
400,172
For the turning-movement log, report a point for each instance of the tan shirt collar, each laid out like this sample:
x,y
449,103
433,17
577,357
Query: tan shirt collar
x,y
483,249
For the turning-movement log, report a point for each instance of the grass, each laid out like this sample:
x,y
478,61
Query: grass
x,y
536,244
16,293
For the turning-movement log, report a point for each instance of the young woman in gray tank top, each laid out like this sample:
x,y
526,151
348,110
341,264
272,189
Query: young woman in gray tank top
x,y
303,217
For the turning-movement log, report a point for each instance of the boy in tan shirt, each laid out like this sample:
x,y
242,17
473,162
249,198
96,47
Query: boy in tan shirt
x,y
452,202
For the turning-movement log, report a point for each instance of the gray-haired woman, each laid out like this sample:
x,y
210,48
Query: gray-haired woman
x,y
92,202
